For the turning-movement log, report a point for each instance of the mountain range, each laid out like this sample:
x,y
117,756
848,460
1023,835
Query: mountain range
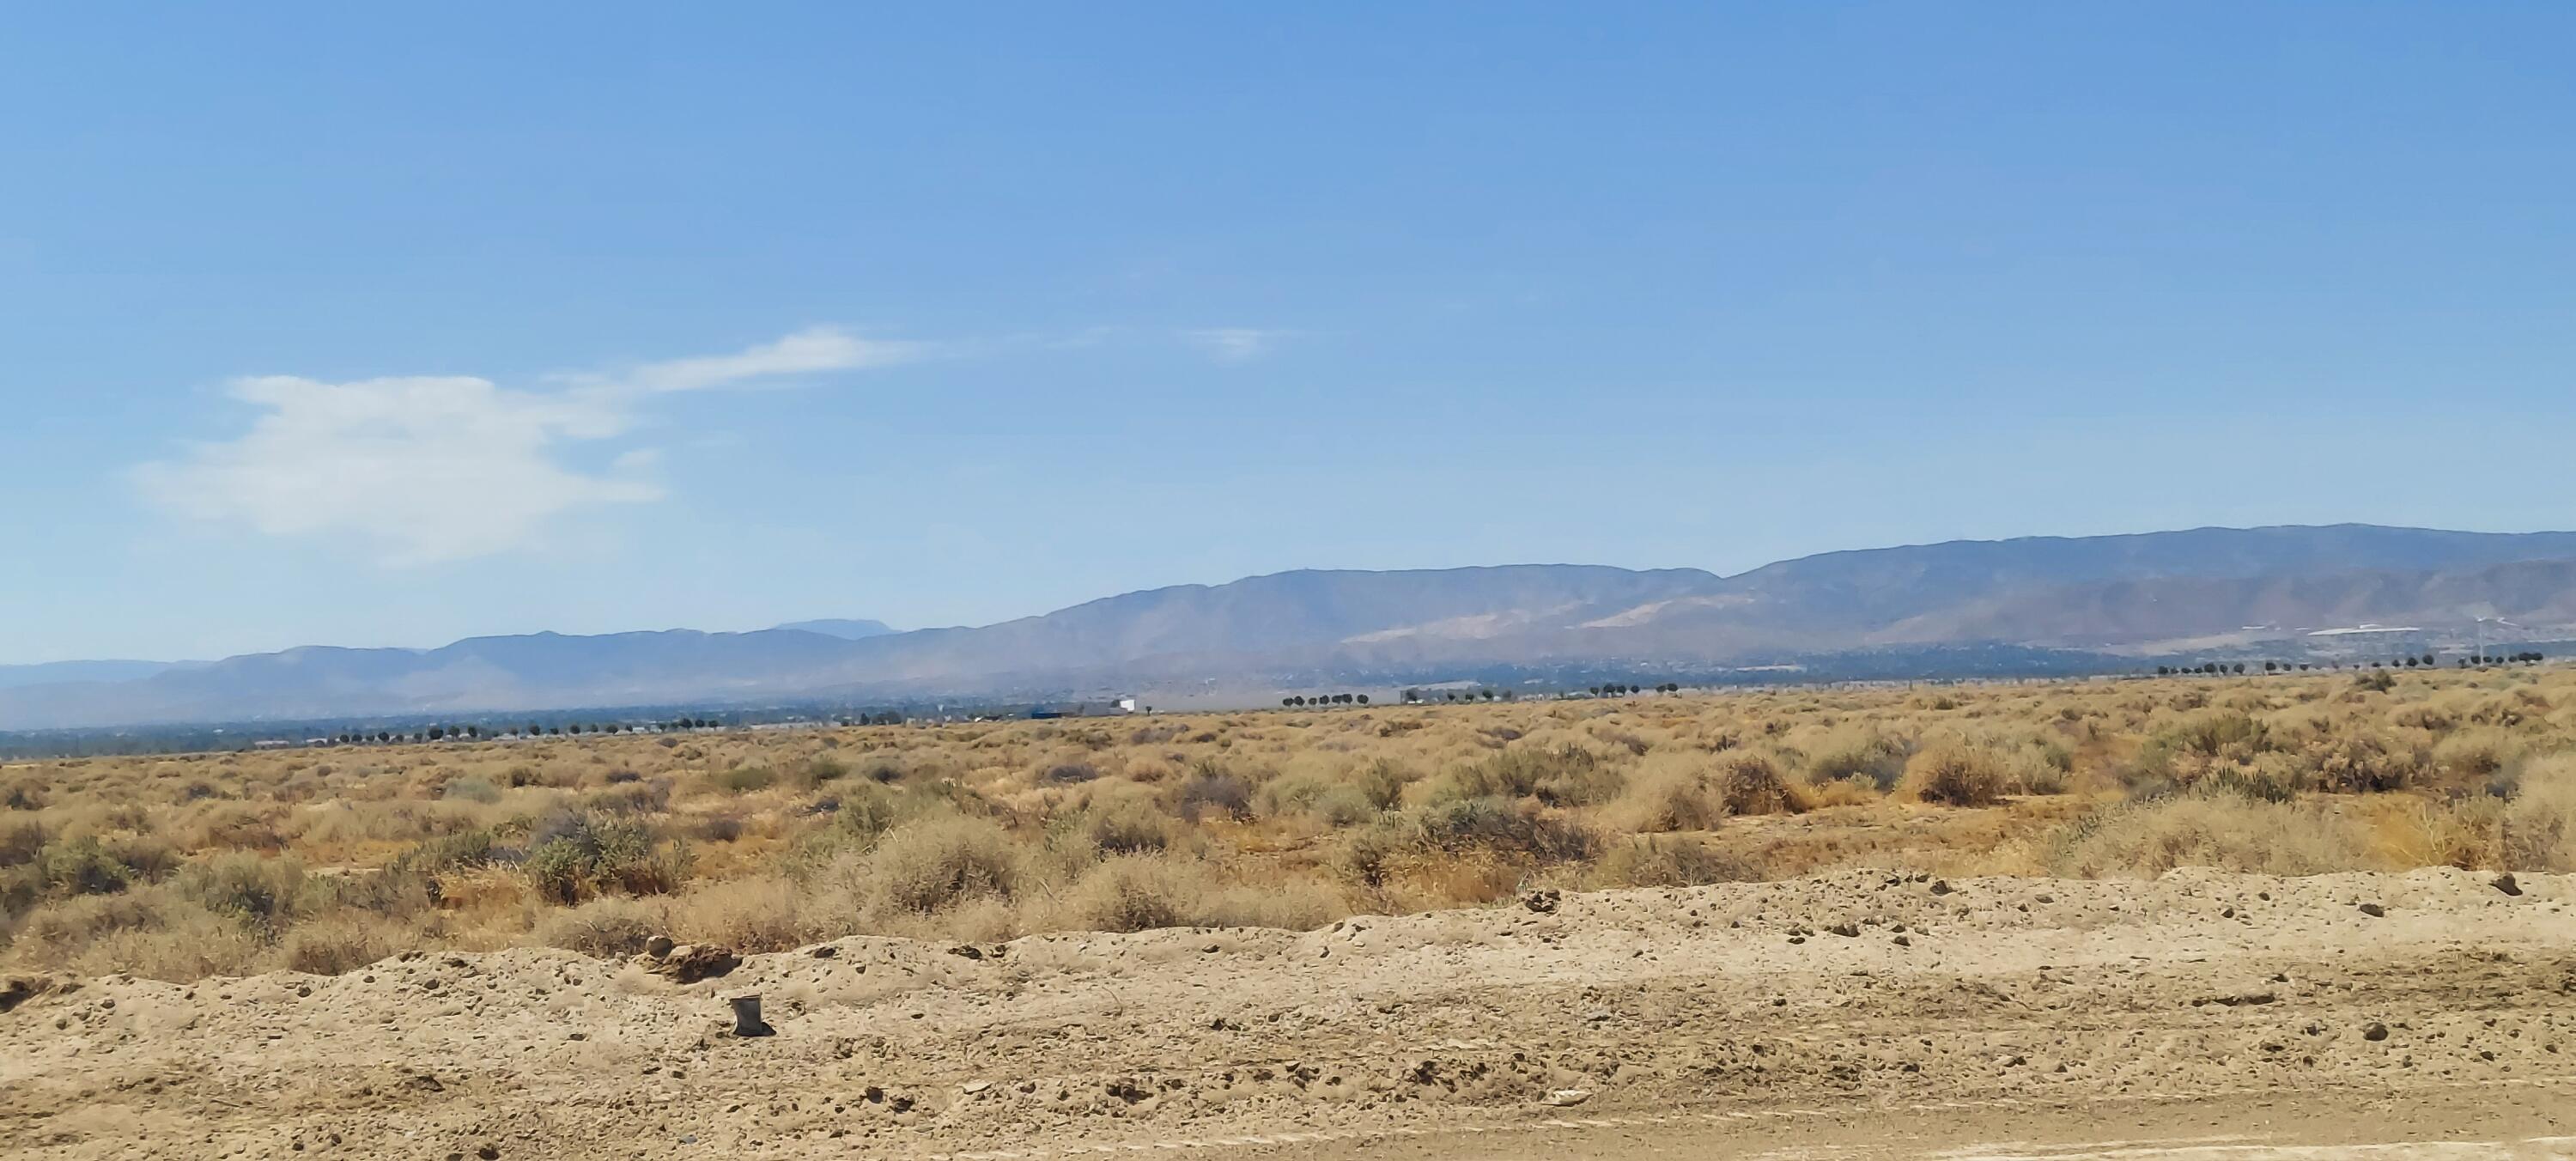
x,y
2115,600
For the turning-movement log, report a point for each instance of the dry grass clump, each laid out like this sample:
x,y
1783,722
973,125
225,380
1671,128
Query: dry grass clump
x,y
1670,861
182,865
607,927
2538,830
2208,828
935,863
1955,774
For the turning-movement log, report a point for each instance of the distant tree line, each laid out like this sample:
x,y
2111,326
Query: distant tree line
x,y
2424,661
1293,701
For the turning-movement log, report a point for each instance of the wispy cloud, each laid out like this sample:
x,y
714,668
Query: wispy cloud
x,y
1235,344
429,469
805,352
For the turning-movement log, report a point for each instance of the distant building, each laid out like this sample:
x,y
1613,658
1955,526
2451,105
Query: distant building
x,y
1083,709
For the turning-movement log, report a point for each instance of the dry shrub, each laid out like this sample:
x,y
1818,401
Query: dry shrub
x,y
762,914
1211,792
2539,825
1124,824
21,840
2465,833
2363,762
1382,782
1750,783
148,933
1955,774
609,928
339,943
1671,862
1137,892
1842,792
937,862
1293,905
1566,775
228,826
262,893
1867,754
473,790
2475,755
1669,792
2207,828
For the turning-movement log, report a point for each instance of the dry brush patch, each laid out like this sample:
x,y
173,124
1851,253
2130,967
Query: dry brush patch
x,y
322,861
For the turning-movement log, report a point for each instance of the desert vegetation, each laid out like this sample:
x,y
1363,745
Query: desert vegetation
x,y
324,860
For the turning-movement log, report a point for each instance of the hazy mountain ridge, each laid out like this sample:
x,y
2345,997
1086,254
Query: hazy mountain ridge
x,y
2119,593
845,628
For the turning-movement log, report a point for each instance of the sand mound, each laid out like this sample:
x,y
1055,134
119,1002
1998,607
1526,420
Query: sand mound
x,y
1837,992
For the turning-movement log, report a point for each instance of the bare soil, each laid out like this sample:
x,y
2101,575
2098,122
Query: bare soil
x,y
1857,1014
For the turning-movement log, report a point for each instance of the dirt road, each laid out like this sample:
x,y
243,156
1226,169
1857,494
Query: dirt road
x,y
1854,1015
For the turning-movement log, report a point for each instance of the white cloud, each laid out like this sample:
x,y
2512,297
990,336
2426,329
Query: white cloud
x,y
806,351
428,469
1235,344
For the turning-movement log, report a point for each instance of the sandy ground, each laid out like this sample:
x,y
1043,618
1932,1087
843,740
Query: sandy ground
x,y
1854,1015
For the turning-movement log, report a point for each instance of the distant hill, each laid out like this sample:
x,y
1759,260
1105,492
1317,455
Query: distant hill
x,y
843,628
1981,600
54,672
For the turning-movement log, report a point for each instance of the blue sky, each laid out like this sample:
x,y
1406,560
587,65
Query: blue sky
x,y
353,325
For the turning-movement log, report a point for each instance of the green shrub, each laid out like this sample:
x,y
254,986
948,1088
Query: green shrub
x,y
257,891
82,866
572,856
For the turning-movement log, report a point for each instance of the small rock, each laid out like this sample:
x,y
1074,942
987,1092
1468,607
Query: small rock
x,y
1542,902
824,951
1940,886
2374,1031
2373,910
1901,941
967,950
1846,930
976,1086
688,963
2505,883
1565,1097
658,946
488,1151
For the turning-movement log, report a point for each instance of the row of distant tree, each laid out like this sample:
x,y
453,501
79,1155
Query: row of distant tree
x,y
1325,699
476,732
1423,697
2427,661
